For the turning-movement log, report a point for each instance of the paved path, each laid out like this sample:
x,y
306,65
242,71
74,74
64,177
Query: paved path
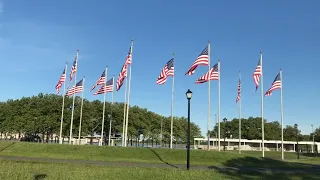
x,y
154,165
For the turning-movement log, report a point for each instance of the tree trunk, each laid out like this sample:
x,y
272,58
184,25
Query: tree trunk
x,y
143,142
91,140
42,138
47,136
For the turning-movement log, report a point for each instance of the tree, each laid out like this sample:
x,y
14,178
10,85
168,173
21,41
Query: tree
x,y
317,135
290,134
251,129
41,115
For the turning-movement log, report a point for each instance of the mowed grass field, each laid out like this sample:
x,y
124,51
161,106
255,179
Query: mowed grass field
x,y
156,155
34,170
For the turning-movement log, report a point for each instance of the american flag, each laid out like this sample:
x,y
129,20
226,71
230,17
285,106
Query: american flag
x,y
122,76
129,56
239,91
75,89
100,81
74,67
257,74
213,74
107,88
61,80
123,72
275,85
109,85
167,71
203,59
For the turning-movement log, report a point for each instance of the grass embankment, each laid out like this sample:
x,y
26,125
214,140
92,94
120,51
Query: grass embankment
x,y
40,170
157,155
37,171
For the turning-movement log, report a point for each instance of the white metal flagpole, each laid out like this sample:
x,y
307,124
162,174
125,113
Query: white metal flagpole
x,y
79,137
216,135
104,106
172,101
74,96
281,104
219,104
128,102
62,109
312,137
161,133
124,112
208,128
240,84
262,103
112,100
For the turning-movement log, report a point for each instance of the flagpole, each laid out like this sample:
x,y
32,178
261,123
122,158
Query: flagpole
x,y
219,105
124,112
74,97
215,118
128,103
62,109
240,113
79,137
104,105
262,103
208,128
161,133
111,111
172,101
281,104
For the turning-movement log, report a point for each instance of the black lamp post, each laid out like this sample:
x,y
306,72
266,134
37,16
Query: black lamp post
x,y
225,133
188,95
296,127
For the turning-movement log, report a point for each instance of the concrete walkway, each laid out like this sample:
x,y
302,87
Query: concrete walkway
x,y
163,165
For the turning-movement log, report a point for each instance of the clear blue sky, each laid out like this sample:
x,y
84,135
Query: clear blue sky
x,y
37,37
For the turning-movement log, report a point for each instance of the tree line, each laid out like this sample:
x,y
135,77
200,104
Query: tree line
x,y
251,129
41,115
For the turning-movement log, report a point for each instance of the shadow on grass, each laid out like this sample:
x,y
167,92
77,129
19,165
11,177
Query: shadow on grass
x,y
11,144
266,168
311,154
39,176
162,159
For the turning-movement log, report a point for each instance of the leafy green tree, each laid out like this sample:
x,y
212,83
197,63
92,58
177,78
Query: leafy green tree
x,y
317,134
251,129
41,114
290,133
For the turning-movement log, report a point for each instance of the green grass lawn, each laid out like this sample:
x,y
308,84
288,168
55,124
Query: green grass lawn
x,y
36,171
39,170
157,155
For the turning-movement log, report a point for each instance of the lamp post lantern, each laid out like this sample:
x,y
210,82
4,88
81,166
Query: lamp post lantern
x,y
188,95
296,127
